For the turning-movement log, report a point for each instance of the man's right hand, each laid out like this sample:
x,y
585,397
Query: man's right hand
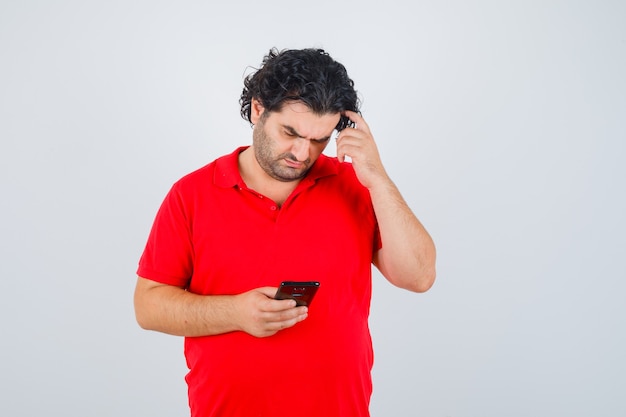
x,y
174,310
260,315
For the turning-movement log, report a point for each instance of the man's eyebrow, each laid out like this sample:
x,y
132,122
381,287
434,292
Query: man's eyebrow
x,y
293,132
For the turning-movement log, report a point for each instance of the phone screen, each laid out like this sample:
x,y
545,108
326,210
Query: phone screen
x,y
301,291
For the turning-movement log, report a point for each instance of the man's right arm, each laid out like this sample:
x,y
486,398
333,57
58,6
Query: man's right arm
x,y
173,310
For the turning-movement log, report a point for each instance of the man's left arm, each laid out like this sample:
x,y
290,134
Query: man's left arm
x,y
407,258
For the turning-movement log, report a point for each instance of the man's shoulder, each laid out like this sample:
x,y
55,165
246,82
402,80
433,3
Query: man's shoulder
x,y
199,175
216,172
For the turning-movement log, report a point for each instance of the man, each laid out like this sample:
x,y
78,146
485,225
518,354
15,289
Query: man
x,y
229,233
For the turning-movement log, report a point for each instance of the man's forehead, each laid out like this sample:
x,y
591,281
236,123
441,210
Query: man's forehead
x,y
300,120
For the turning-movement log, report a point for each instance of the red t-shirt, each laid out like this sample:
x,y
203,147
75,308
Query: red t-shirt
x,y
213,235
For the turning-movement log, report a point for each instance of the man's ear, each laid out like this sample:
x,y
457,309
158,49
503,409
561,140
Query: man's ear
x,y
256,110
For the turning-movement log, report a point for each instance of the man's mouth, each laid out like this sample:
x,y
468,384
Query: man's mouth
x,y
294,164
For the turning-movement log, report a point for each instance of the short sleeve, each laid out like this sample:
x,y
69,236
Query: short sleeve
x,y
168,255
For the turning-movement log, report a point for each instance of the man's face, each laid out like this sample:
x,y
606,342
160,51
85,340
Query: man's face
x,y
287,143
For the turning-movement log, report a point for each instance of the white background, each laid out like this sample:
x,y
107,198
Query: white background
x,y
503,123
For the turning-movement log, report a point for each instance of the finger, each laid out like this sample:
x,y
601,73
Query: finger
x,y
270,304
341,154
343,139
349,143
278,306
341,157
357,119
268,291
273,322
286,319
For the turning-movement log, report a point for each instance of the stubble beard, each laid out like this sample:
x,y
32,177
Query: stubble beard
x,y
271,164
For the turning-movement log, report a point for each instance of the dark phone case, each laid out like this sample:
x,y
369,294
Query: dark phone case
x,y
303,292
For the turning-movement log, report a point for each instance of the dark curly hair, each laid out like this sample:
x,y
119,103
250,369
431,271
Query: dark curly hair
x,y
307,75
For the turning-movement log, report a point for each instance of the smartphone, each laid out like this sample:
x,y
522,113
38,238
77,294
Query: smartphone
x,y
301,291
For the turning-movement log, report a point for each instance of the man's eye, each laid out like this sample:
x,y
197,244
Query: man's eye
x,y
321,141
290,134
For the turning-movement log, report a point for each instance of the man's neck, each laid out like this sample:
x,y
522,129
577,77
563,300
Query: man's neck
x,y
260,181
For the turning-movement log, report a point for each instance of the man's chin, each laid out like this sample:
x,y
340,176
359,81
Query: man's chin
x,y
290,175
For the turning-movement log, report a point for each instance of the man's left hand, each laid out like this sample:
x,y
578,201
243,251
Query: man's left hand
x,y
358,143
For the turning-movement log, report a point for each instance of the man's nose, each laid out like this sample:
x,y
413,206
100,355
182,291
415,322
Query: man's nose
x,y
300,149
